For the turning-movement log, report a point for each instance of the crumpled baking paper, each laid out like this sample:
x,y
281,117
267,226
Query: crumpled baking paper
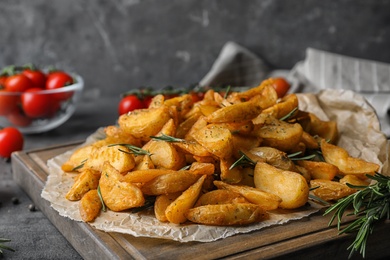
x,y
360,135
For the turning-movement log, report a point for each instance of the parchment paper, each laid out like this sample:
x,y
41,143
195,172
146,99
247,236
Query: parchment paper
x,y
360,135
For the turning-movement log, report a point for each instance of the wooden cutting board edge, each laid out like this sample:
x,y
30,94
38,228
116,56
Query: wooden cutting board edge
x,y
28,171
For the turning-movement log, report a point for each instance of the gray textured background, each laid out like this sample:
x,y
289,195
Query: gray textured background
x,y
121,44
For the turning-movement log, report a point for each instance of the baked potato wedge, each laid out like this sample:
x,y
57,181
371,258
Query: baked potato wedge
x,y
175,212
118,195
227,214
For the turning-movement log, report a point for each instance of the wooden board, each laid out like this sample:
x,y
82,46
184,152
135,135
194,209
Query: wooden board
x,y
309,238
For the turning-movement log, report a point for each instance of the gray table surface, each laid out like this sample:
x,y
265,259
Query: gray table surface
x,y
32,235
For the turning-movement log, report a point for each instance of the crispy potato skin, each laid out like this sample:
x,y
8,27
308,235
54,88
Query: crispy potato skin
x,y
227,214
87,180
291,187
347,165
170,183
175,212
90,206
145,122
330,190
266,200
118,195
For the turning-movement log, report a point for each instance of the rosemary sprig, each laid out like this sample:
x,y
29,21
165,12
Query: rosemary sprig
x,y
244,160
134,149
81,165
370,205
2,246
286,117
101,199
227,92
307,157
168,138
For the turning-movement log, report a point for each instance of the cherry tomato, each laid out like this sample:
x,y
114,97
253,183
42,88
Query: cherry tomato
x,y
8,102
37,77
281,86
36,104
2,81
18,118
18,83
11,140
129,103
59,79
54,108
146,101
196,96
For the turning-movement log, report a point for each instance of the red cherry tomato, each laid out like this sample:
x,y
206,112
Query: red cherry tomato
x,y
36,104
196,96
59,79
18,83
11,140
146,101
129,103
37,77
54,108
281,86
2,81
18,118
8,102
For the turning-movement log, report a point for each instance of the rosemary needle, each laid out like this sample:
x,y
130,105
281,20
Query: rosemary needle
x,y
168,138
2,246
370,205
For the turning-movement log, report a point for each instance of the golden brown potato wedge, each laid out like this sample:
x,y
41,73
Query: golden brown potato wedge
x,y
116,135
144,123
279,134
170,183
90,206
202,168
227,174
236,113
309,141
243,143
164,155
185,126
193,148
319,170
354,180
326,129
157,101
144,163
161,204
347,165
275,157
286,105
265,200
227,214
220,196
265,90
175,212
87,180
118,195
330,190
290,186
78,158
120,157
216,139
143,176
